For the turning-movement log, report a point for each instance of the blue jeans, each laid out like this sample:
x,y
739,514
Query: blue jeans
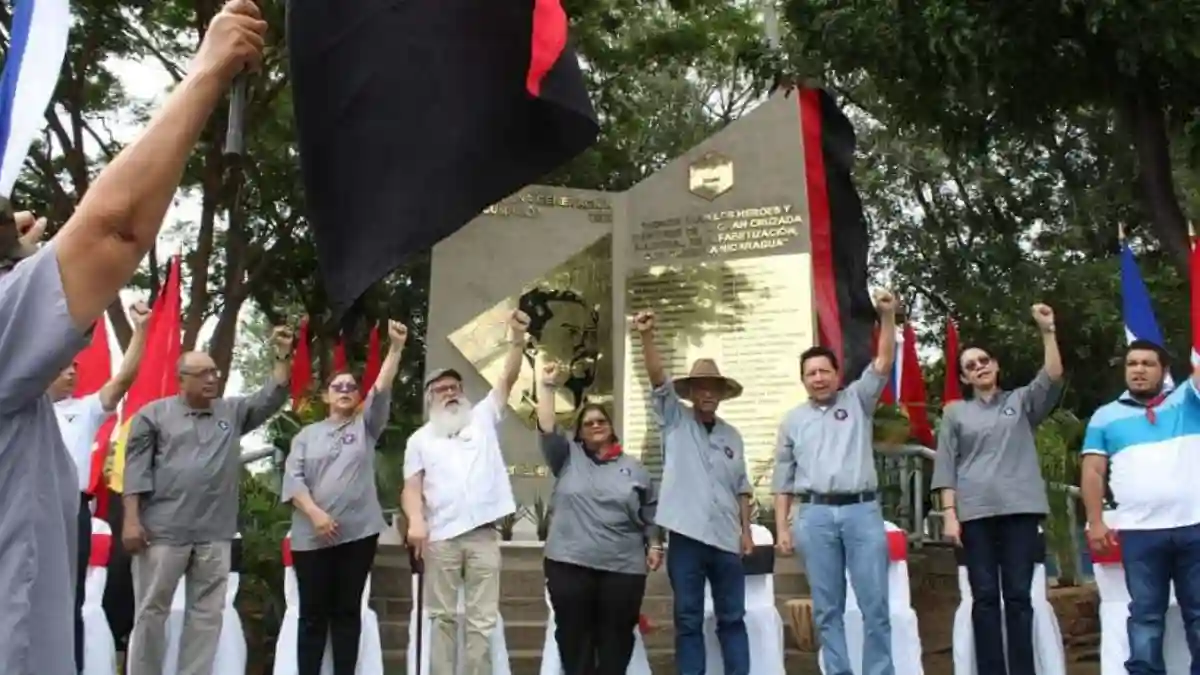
x,y
689,564
834,540
1152,560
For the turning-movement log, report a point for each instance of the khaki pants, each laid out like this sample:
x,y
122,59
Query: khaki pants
x,y
470,562
156,573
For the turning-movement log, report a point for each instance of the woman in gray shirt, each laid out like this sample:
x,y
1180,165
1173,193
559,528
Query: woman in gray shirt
x,y
994,498
330,480
602,538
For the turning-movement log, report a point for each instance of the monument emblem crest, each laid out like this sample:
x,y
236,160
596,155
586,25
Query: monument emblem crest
x,y
710,176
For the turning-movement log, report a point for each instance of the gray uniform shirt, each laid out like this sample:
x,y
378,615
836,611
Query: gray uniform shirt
x,y
828,448
603,510
704,474
186,464
987,455
335,463
39,492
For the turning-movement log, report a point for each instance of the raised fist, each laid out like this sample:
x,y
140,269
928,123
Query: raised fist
x,y
885,301
397,333
643,321
550,373
518,322
281,340
234,41
139,314
1044,316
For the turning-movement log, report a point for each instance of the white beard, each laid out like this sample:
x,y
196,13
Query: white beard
x,y
449,420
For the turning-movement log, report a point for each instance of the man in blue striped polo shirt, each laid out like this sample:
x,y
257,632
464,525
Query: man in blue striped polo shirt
x,y
1147,443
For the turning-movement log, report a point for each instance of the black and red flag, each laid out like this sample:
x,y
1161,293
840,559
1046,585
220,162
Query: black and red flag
x,y
840,240
413,116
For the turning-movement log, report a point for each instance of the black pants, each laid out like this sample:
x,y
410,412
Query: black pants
x,y
331,582
82,557
118,590
595,614
1001,553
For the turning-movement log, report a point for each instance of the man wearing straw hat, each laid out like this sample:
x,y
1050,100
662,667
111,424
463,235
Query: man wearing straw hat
x,y
704,504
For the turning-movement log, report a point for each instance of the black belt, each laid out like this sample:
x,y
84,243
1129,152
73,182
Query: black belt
x,y
836,498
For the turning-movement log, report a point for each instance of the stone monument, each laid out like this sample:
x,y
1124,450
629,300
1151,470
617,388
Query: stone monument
x,y
717,242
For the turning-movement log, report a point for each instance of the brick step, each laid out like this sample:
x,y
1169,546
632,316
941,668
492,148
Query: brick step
x,y
662,661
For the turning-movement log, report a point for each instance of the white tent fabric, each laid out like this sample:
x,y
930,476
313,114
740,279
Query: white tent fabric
x,y
99,651
764,625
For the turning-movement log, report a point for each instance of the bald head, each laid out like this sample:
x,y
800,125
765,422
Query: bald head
x,y
199,379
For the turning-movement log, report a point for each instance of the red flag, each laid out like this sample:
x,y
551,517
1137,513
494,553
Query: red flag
x,y
1195,285
951,387
156,377
93,366
374,361
912,389
339,356
301,366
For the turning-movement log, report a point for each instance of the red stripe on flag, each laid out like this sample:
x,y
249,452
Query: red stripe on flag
x,y
301,367
339,356
951,387
912,390
93,366
546,43
374,361
100,448
829,322
101,550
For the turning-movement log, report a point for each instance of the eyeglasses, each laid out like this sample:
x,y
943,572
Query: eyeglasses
x,y
976,364
594,423
203,373
344,387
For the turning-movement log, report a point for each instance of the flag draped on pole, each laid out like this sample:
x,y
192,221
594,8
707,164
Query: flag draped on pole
x,y
157,377
374,361
93,369
912,389
1136,309
301,367
412,116
951,386
838,230
37,42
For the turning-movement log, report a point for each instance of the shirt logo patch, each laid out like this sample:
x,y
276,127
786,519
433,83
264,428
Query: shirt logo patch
x,y
71,418
223,425
1009,412
729,452
840,414
348,438
625,471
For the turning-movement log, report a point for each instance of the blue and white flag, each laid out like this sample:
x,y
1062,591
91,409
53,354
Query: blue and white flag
x,y
36,47
1136,309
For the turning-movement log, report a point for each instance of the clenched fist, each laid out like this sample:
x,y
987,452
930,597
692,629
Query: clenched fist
x,y
234,41
139,315
550,374
518,323
281,340
1044,317
397,333
643,321
885,301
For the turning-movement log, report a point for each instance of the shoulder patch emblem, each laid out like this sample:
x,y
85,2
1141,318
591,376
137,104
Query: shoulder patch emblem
x,y
840,414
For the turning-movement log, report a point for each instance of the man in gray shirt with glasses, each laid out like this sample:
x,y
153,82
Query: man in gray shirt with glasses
x,y
182,469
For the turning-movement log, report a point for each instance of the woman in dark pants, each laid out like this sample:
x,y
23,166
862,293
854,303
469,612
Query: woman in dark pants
x,y
330,480
602,538
994,498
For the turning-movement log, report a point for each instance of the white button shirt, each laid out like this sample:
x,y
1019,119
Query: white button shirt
x,y
79,420
466,480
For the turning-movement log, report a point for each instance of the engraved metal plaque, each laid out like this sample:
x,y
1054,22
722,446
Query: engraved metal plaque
x,y
710,176
754,316
570,312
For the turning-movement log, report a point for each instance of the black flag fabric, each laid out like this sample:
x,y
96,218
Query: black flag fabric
x,y
840,241
412,116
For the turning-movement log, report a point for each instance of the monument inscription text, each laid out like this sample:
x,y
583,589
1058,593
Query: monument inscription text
x,y
729,233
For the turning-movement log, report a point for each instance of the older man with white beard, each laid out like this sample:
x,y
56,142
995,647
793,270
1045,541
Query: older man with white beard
x,y
456,487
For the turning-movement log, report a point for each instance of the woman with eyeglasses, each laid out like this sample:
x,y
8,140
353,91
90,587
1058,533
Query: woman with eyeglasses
x,y
602,538
330,480
994,499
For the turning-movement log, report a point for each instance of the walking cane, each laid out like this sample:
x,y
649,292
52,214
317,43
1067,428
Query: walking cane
x,y
418,568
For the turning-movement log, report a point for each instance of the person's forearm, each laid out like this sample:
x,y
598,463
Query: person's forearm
x,y
949,510
412,502
545,408
1052,358
783,510
132,506
1092,492
652,359
115,389
885,354
389,368
130,197
304,503
281,373
745,504
512,365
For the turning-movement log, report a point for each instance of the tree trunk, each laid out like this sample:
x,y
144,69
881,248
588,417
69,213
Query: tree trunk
x,y
1145,120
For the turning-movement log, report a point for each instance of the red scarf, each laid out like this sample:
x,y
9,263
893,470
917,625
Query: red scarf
x,y
1154,403
611,453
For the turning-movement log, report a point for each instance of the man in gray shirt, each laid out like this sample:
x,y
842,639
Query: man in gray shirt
x,y
704,504
182,469
825,461
47,301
